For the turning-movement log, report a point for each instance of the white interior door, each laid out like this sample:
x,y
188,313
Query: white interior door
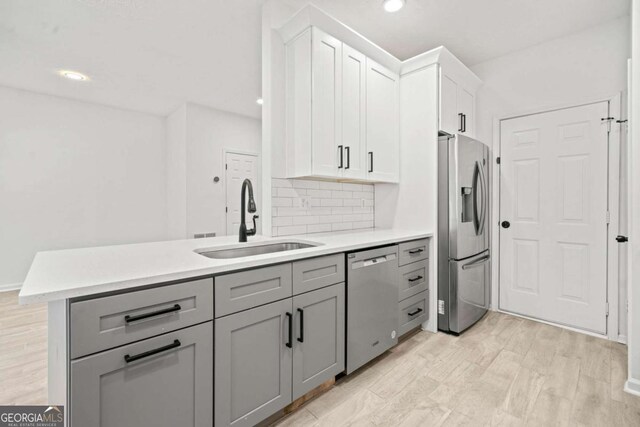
x,y
553,192
238,168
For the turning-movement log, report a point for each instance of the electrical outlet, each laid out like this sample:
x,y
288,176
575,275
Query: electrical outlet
x,y
305,202
362,203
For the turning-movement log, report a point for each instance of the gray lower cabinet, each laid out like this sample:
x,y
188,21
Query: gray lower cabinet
x,y
269,356
318,352
253,364
165,381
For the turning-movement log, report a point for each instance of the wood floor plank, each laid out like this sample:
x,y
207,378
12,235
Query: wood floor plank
x,y
592,403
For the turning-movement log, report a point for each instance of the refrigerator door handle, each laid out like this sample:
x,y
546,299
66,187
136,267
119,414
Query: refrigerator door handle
x,y
476,263
476,211
485,198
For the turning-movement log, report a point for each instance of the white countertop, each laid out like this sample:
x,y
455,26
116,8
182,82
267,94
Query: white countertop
x,y
56,275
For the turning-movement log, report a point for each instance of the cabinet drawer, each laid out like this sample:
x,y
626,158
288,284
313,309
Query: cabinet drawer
x,y
315,273
416,250
247,289
414,278
108,322
165,381
412,312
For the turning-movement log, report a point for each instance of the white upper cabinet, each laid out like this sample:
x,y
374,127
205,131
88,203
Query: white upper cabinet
x,y
327,158
341,112
457,106
382,124
354,113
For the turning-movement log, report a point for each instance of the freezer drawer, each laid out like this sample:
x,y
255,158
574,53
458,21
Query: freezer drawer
x,y
372,304
468,291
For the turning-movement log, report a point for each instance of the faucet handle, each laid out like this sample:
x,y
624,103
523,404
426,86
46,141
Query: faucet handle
x,y
255,228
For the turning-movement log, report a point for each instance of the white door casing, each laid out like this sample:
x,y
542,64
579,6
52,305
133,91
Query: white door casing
x,y
239,166
553,191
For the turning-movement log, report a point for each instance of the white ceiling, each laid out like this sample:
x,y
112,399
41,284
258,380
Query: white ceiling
x,y
154,55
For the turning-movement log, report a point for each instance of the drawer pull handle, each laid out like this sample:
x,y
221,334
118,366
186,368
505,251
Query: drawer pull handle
x,y
416,279
418,310
416,251
301,337
130,319
129,359
289,343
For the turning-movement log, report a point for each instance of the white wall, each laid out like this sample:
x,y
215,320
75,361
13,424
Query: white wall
x,y
75,174
196,139
583,67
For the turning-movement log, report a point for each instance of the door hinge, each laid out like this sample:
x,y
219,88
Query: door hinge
x,y
498,160
226,166
607,309
226,209
440,306
608,217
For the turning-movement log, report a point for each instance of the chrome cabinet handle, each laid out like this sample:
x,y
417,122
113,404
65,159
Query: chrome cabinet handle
x,y
416,251
341,151
415,279
370,161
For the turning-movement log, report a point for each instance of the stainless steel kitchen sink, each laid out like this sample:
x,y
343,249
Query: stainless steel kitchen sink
x,y
245,251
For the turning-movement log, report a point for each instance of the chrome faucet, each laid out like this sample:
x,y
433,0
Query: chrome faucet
x,y
252,208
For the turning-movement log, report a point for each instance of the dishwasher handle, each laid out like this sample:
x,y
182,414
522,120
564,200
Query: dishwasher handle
x,y
374,261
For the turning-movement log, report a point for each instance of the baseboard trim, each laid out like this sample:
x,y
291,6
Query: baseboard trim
x,y
632,386
10,287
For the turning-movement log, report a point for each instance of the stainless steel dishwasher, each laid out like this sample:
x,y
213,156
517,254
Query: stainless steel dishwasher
x,y
372,304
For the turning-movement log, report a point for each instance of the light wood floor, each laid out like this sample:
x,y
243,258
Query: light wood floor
x,y
503,371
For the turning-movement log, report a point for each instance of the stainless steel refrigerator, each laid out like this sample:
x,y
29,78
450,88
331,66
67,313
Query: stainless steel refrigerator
x,y
463,232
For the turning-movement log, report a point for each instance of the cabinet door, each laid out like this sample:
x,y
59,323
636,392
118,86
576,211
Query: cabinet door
x,y
450,121
165,381
353,113
383,148
326,115
465,107
318,353
252,364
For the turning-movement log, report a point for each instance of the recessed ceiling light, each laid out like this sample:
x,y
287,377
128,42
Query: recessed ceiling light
x,y
392,5
259,101
73,75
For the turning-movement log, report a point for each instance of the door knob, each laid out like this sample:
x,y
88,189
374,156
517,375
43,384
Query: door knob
x,y
505,224
622,239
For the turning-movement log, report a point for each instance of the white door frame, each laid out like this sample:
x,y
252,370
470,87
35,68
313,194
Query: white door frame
x,y
258,188
613,204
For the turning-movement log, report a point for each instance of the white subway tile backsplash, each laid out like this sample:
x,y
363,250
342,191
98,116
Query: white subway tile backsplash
x,y
318,228
325,185
341,226
331,202
293,229
278,202
303,183
291,192
305,220
321,194
308,206
281,221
